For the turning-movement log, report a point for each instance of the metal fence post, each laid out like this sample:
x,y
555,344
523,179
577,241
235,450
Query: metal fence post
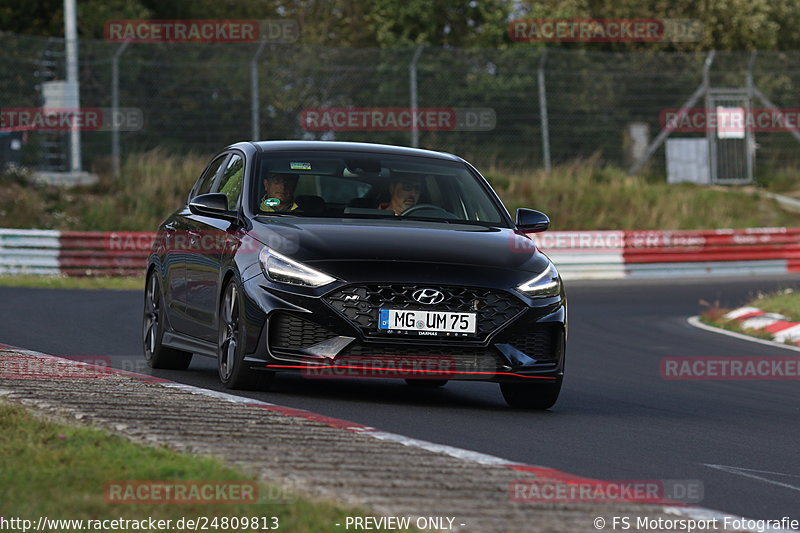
x,y
73,80
545,123
412,82
710,134
664,133
255,115
751,141
115,157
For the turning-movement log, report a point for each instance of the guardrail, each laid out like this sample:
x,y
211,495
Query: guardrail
x,y
660,254
73,253
577,254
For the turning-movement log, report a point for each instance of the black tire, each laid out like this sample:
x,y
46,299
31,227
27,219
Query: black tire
x,y
426,383
233,373
155,353
538,396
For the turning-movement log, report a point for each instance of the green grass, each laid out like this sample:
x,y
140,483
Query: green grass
x,y
588,195
785,181
585,194
733,325
60,471
785,302
67,282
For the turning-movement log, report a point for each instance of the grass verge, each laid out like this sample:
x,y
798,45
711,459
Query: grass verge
x,y
60,471
785,302
68,282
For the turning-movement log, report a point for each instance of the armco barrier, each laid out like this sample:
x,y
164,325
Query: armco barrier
x,y
660,254
578,254
73,253
110,254
585,254
29,251
716,252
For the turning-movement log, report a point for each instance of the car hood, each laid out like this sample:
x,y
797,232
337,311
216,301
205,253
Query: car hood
x,y
333,244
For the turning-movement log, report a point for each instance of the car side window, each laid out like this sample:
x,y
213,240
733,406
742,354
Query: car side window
x,y
231,182
205,181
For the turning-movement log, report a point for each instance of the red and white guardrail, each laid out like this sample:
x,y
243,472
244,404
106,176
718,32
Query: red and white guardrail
x,y
73,253
661,254
577,254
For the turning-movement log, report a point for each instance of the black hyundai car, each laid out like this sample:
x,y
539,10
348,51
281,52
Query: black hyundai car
x,y
340,259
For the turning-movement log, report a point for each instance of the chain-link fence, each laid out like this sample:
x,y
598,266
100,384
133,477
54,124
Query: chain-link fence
x,y
549,106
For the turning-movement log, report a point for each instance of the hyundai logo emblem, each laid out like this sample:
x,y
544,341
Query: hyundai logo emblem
x,y
428,296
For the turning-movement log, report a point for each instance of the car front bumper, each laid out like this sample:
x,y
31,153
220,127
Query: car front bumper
x,y
317,334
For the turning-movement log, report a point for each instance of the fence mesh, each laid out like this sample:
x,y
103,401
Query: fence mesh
x,y
200,97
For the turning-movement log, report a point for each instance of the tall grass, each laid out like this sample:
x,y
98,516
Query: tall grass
x,y
151,186
586,195
583,194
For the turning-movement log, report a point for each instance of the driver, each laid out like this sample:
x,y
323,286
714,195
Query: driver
x,y
404,191
279,192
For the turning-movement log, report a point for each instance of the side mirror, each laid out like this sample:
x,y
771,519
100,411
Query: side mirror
x,y
213,205
530,220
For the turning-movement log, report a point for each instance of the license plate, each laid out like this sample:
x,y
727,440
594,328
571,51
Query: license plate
x,y
427,322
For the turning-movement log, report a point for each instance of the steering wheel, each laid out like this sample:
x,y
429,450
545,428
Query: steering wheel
x,y
429,207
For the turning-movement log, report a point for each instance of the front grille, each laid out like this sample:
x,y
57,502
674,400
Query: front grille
x,y
289,332
360,305
542,342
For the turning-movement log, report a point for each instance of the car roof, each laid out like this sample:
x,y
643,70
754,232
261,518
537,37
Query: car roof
x,y
336,146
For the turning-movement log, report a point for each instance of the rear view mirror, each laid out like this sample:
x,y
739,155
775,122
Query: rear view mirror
x,y
532,221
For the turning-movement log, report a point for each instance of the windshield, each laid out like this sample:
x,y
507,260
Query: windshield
x,y
355,185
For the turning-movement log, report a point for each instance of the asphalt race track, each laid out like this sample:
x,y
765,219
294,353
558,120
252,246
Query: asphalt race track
x,y
616,418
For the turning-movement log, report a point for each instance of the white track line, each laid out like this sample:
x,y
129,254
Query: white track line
x,y
695,321
747,472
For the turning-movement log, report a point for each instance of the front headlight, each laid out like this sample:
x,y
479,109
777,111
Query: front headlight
x,y
545,284
280,268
